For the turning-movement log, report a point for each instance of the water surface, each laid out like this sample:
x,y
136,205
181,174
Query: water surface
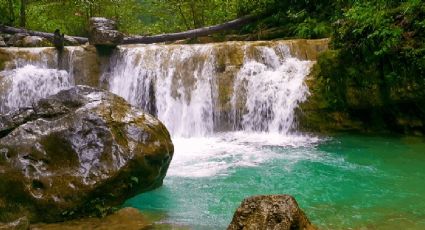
x,y
342,182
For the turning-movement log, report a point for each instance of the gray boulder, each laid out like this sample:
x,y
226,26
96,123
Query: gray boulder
x,y
78,153
104,32
271,212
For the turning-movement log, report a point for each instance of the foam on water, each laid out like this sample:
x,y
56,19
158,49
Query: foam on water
x,y
221,153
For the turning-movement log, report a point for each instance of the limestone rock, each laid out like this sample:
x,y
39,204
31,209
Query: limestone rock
x,y
2,43
78,153
103,32
272,212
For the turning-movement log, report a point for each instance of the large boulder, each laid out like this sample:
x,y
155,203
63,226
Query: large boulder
x,y
104,32
272,212
78,153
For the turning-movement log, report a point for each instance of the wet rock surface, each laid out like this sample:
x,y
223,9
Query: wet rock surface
x,y
104,32
271,212
77,154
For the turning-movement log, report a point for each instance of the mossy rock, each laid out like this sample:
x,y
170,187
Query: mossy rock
x,y
78,153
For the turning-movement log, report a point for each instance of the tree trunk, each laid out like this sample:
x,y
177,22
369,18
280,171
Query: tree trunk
x,y
191,33
151,39
12,30
23,14
11,11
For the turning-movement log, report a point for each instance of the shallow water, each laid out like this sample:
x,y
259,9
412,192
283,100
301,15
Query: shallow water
x,y
342,182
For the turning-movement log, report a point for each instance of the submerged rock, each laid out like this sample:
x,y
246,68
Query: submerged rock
x,y
272,212
103,32
76,154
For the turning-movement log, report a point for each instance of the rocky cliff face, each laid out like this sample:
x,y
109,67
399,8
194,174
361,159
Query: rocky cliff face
x,y
78,153
360,107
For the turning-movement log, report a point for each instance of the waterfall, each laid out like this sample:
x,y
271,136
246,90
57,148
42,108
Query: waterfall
x,y
32,75
273,85
195,90
180,84
176,83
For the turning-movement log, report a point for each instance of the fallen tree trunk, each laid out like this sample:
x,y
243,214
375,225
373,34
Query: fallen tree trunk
x,y
190,33
13,30
149,39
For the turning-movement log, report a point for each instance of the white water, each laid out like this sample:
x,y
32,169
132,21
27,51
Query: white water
x,y
31,78
33,74
180,84
175,81
30,83
274,86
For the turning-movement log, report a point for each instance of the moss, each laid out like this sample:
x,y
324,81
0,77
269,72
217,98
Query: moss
x,y
59,153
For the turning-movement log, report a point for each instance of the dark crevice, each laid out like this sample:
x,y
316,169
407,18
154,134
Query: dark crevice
x,y
5,132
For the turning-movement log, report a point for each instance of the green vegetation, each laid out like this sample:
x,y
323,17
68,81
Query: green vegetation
x,y
306,18
377,66
377,44
133,16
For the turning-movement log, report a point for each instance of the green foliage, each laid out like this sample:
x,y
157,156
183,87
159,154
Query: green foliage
x,y
133,16
380,45
311,28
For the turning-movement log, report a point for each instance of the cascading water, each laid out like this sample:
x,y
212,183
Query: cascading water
x,y
273,86
32,75
198,89
174,82
179,84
